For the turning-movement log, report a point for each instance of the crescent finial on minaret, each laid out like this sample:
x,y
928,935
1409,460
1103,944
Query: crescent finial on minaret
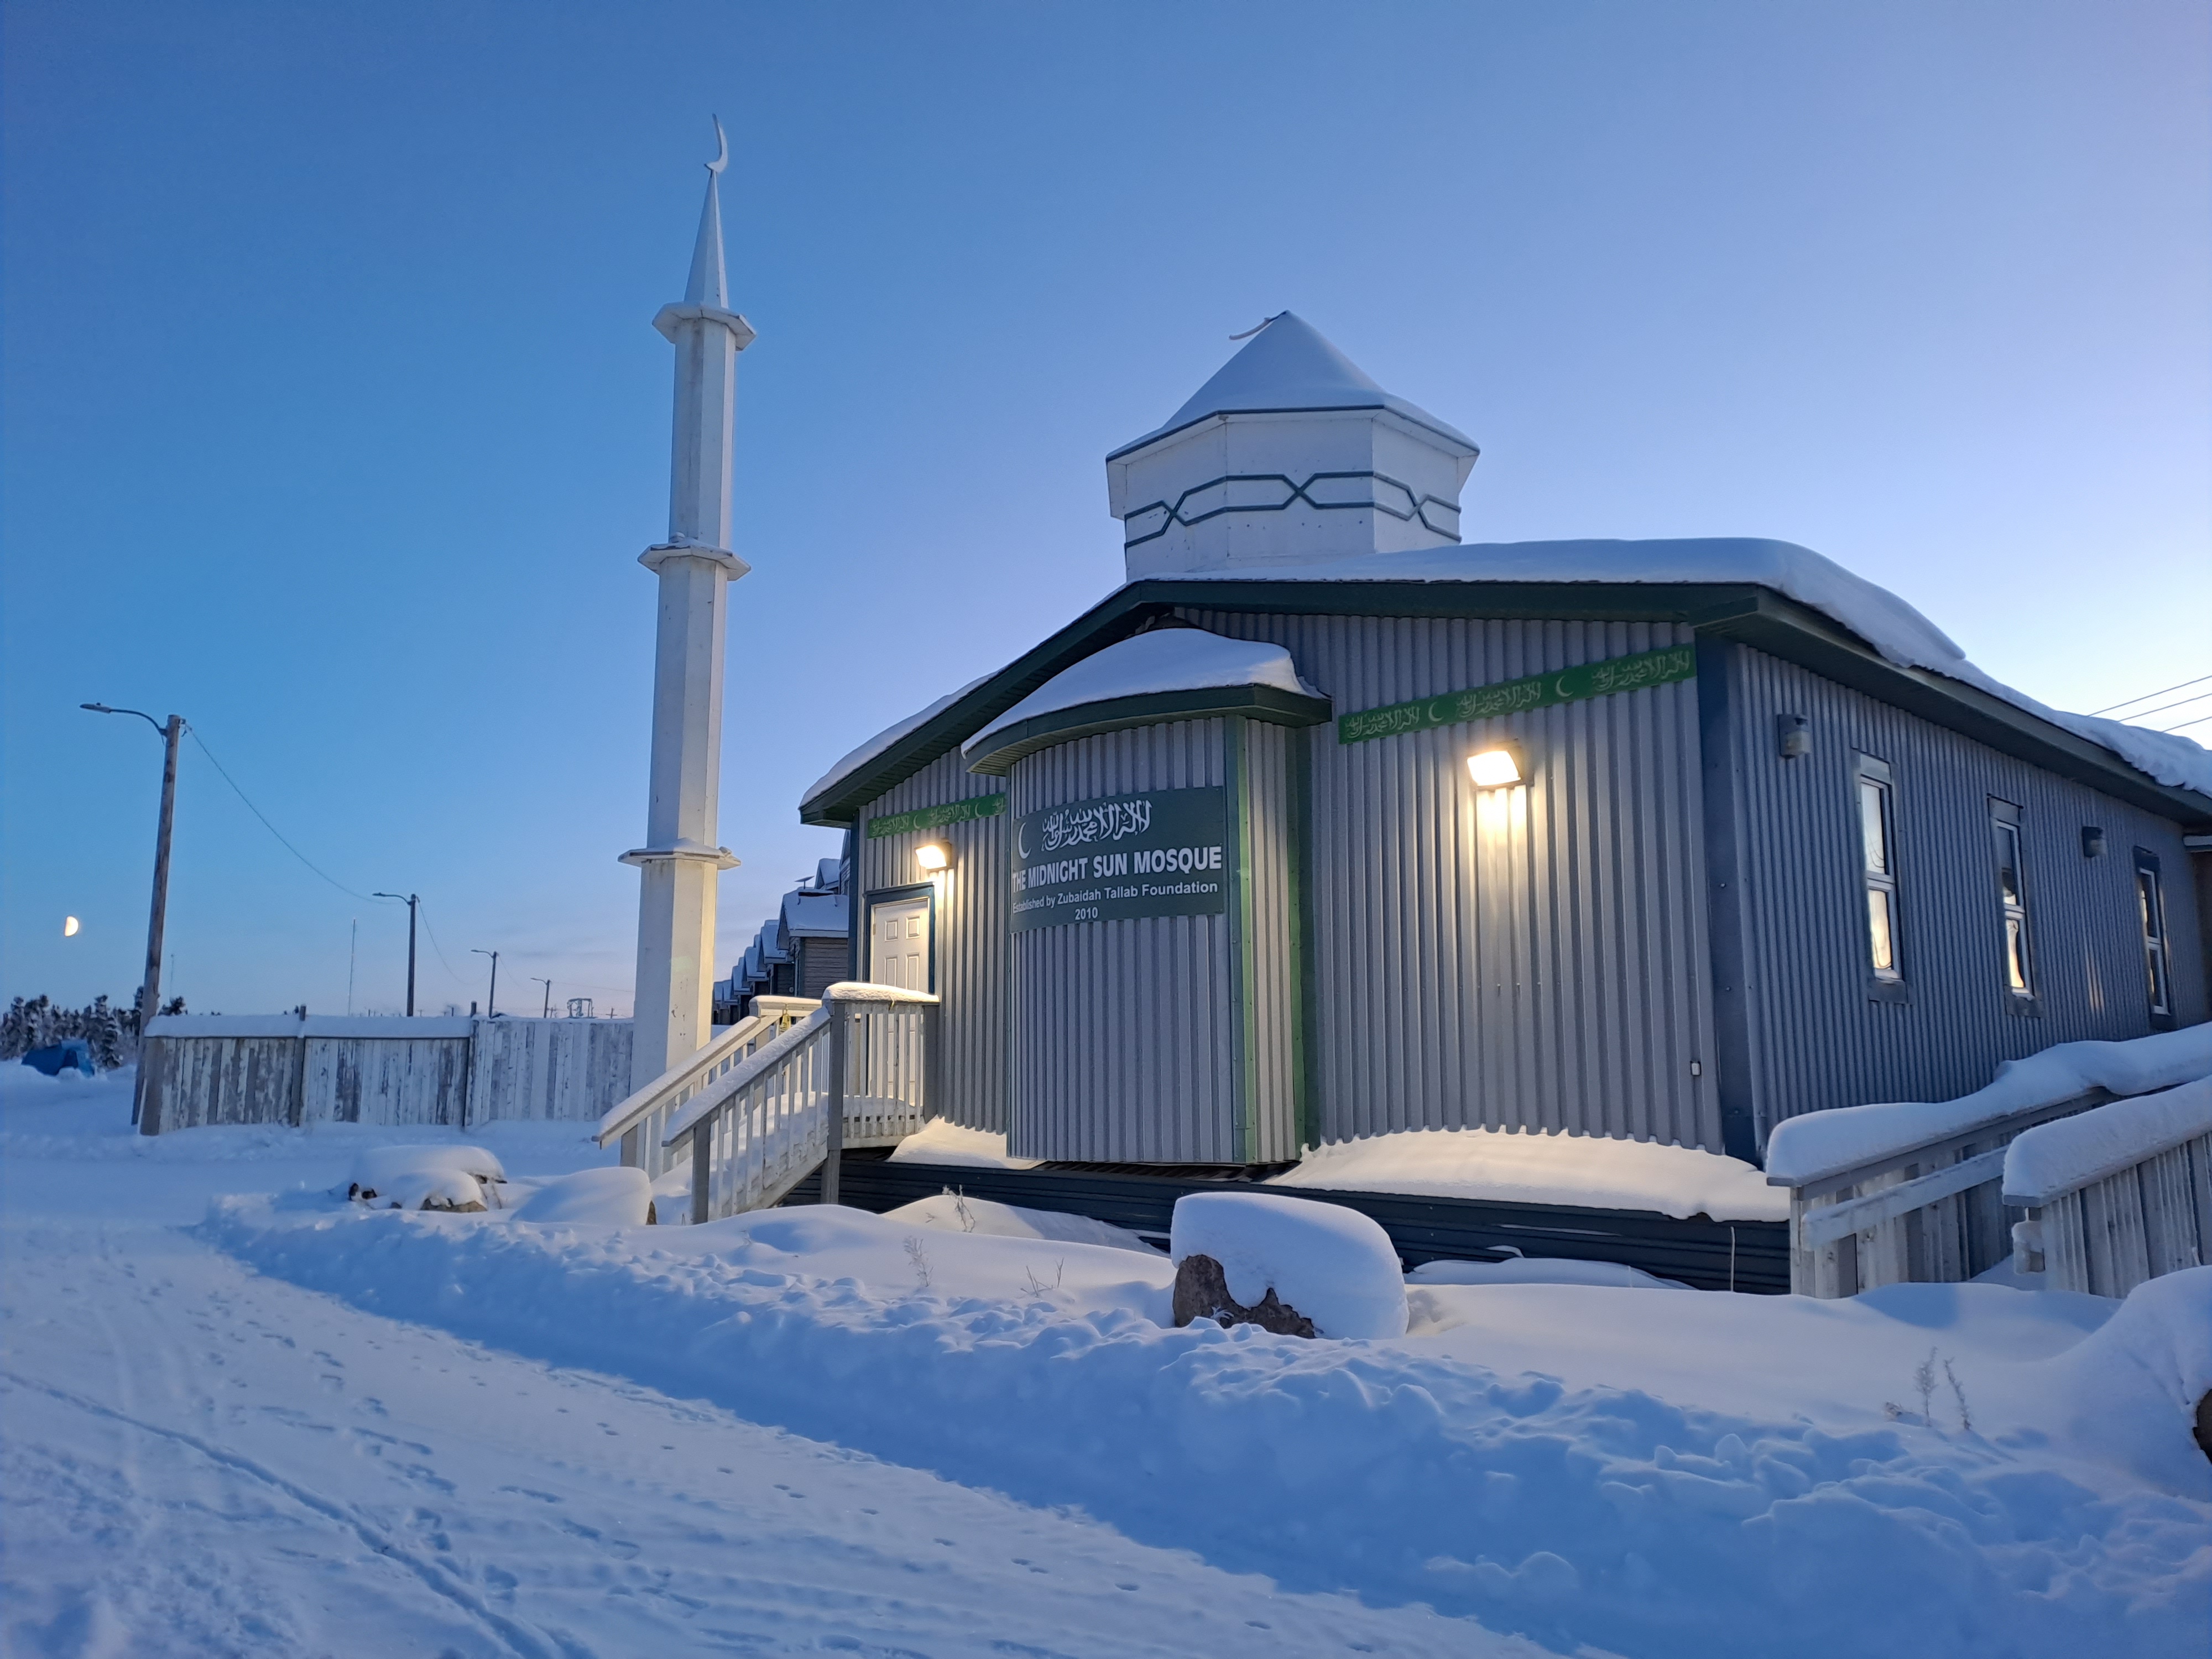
x,y
722,142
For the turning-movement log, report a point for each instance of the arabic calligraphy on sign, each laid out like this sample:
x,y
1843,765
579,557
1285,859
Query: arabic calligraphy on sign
x,y
1097,821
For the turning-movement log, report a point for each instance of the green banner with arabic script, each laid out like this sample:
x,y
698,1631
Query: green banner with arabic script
x,y
936,817
1591,679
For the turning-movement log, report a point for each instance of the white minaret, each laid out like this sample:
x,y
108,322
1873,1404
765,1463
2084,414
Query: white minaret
x,y
682,858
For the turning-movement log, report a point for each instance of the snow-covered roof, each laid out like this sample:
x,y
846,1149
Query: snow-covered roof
x,y
1165,659
1290,365
863,753
815,916
1897,631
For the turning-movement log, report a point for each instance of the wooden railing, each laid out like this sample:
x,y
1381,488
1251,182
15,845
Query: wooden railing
x,y
1933,1213
2117,1196
857,1072
640,1122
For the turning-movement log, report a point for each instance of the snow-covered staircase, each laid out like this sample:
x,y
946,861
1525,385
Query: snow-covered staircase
x,y
775,1098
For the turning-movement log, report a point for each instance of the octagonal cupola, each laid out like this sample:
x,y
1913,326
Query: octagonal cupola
x,y
1289,455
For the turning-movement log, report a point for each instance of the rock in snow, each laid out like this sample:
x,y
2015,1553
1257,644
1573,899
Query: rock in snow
x,y
436,1177
1332,1265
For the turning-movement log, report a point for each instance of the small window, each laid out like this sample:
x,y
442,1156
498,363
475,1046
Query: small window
x,y
2011,899
1878,843
2150,898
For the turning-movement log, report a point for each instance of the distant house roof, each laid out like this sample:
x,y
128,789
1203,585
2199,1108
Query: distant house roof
x,y
1289,367
815,916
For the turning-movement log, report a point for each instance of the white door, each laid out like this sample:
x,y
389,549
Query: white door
x,y
898,944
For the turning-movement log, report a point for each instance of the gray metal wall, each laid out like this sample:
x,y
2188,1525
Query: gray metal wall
x,y
1536,958
1273,939
972,971
1814,1038
1124,1040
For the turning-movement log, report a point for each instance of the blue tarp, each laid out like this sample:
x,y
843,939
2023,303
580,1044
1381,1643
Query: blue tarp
x,y
55,1057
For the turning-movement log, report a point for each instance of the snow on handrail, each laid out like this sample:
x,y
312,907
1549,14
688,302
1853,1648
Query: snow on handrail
x,y
762,1059
1821,1145
2053,1160
861,990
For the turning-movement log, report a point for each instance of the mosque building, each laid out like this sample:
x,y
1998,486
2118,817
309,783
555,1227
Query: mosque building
x,y
1326,824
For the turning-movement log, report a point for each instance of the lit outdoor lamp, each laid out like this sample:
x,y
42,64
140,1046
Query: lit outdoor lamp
x,y
933,857
1499,764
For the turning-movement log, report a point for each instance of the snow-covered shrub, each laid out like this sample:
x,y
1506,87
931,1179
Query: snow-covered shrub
x,y
425,1177
618,1196
1332,1264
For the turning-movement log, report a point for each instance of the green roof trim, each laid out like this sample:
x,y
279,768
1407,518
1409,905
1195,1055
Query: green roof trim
x,y
1757,616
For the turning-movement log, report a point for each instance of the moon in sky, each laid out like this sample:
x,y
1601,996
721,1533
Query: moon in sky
x,y
70,925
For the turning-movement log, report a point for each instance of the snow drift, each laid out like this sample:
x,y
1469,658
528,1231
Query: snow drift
x,y
1589,1516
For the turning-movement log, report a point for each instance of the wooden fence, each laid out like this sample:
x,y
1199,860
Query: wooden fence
x,y
203,1069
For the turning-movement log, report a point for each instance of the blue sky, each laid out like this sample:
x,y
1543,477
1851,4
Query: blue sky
x,y
334,419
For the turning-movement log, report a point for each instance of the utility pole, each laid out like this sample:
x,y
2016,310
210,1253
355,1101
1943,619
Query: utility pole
x,y
412,902
150,992
548,984
491,1000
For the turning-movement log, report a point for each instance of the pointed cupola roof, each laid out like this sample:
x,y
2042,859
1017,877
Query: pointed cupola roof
x,y
1289,367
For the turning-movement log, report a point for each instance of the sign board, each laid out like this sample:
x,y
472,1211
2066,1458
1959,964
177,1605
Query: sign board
x,y
936,817
1163,854
1590,680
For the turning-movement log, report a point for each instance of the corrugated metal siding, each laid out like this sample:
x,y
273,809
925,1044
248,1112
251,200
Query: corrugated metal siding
x,y
1123,1039
1815,1038
1270,943
972,972
1532,959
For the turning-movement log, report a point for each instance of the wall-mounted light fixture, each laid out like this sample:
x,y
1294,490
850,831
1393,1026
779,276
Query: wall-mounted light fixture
x,y
932,856
2092,842
1495,765
1793,736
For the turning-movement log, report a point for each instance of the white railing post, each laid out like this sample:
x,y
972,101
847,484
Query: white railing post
x,y
841,1026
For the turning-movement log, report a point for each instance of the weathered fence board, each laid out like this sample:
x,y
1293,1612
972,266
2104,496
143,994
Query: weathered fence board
x,y
448,1072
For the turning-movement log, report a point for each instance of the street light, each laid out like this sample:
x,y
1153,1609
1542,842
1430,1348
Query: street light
x,y
491,1000
411,901
548,984
150,991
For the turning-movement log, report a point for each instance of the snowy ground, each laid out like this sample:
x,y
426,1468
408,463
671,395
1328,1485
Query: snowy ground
x,y
283,1424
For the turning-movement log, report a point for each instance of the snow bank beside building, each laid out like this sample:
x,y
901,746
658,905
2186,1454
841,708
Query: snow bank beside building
x,y
1521,1168
1618,1516
940,1141
956,1212
1801,1148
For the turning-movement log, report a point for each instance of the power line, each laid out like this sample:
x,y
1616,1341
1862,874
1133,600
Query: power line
x,y
439,949
2178,703
2147,695
2184,725
365,898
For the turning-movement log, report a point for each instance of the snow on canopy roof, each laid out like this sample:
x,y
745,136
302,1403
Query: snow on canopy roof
x,y
1165,659
1289,365
860,756
1897,631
